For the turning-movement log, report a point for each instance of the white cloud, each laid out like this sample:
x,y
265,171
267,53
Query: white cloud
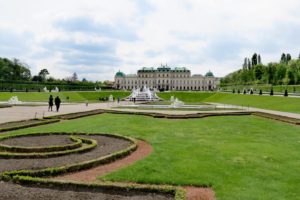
x,y
97,38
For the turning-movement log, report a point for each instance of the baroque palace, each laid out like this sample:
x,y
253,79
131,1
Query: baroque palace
x,y
165,78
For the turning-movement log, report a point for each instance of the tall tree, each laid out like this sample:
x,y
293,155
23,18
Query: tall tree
x,y
74,77
43,74
258,59
288,57
249,64
283,58
245,65
254,59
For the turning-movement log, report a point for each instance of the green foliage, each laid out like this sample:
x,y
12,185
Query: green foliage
x,y
13,70
287,72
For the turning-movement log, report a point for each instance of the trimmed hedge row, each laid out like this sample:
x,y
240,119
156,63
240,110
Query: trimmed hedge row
x,y
177,192
91,144
35,122
77,166
77,143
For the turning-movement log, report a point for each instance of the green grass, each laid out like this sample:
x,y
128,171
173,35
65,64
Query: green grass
x,y
186,96
241,157
73,96
286,104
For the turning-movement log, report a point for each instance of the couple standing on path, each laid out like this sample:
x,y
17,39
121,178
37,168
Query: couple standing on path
x,y
57,103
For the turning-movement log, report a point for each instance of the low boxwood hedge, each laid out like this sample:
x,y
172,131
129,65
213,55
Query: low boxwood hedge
x,y
90,144
31,123
73,167
77,143
177,192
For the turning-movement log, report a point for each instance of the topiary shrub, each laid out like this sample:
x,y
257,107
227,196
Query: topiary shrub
x,y
286,93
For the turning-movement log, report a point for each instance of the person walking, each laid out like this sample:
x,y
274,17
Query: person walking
x,y
50,103
57,103
118,99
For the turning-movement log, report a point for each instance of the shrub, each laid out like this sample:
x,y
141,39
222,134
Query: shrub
x,y
286,93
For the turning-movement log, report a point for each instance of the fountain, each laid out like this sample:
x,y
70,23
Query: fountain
x,y
177,104
144,94
14,101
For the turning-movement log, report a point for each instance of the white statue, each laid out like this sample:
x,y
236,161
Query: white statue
x,y
14,100
172,99
177,103
45,89
111,98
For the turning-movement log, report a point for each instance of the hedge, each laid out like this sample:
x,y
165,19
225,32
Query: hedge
x,y
91,145
76,144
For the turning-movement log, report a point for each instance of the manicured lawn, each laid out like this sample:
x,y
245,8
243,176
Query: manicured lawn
x,y
73,96
241,157
186,96
286,104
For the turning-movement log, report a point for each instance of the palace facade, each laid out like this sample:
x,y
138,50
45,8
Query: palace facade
x,y
165,78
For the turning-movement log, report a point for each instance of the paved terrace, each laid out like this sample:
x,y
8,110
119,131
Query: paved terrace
x,y
17,113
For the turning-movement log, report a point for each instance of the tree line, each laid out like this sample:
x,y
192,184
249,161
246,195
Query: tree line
x,y
15,70
286,71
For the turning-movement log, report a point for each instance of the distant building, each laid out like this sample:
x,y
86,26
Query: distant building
x,y
165,78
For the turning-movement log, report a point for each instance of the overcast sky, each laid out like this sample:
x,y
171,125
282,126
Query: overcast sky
x,y
96,38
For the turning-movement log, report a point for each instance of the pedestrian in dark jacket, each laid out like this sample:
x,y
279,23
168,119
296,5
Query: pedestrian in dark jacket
x,y
57,103
50,103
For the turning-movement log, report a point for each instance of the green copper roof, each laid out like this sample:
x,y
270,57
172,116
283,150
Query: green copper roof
x,y
209,74
120,74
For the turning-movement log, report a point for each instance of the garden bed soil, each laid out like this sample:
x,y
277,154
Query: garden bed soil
x,y
17,192
106,145
37,141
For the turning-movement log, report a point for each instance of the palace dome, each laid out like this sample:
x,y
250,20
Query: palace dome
x,y
209,74
120,74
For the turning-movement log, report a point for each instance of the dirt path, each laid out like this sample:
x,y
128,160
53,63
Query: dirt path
x,y
144,149
90,175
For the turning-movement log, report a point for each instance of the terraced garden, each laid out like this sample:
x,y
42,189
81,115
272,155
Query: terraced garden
x,y
239,157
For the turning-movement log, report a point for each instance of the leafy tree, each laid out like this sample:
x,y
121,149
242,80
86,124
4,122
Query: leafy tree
x,y
283,58
258,59
254,59
74,77
288,57
43,74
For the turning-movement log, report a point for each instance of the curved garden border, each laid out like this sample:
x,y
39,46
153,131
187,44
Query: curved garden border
x,y
33,177
20,149
90,144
